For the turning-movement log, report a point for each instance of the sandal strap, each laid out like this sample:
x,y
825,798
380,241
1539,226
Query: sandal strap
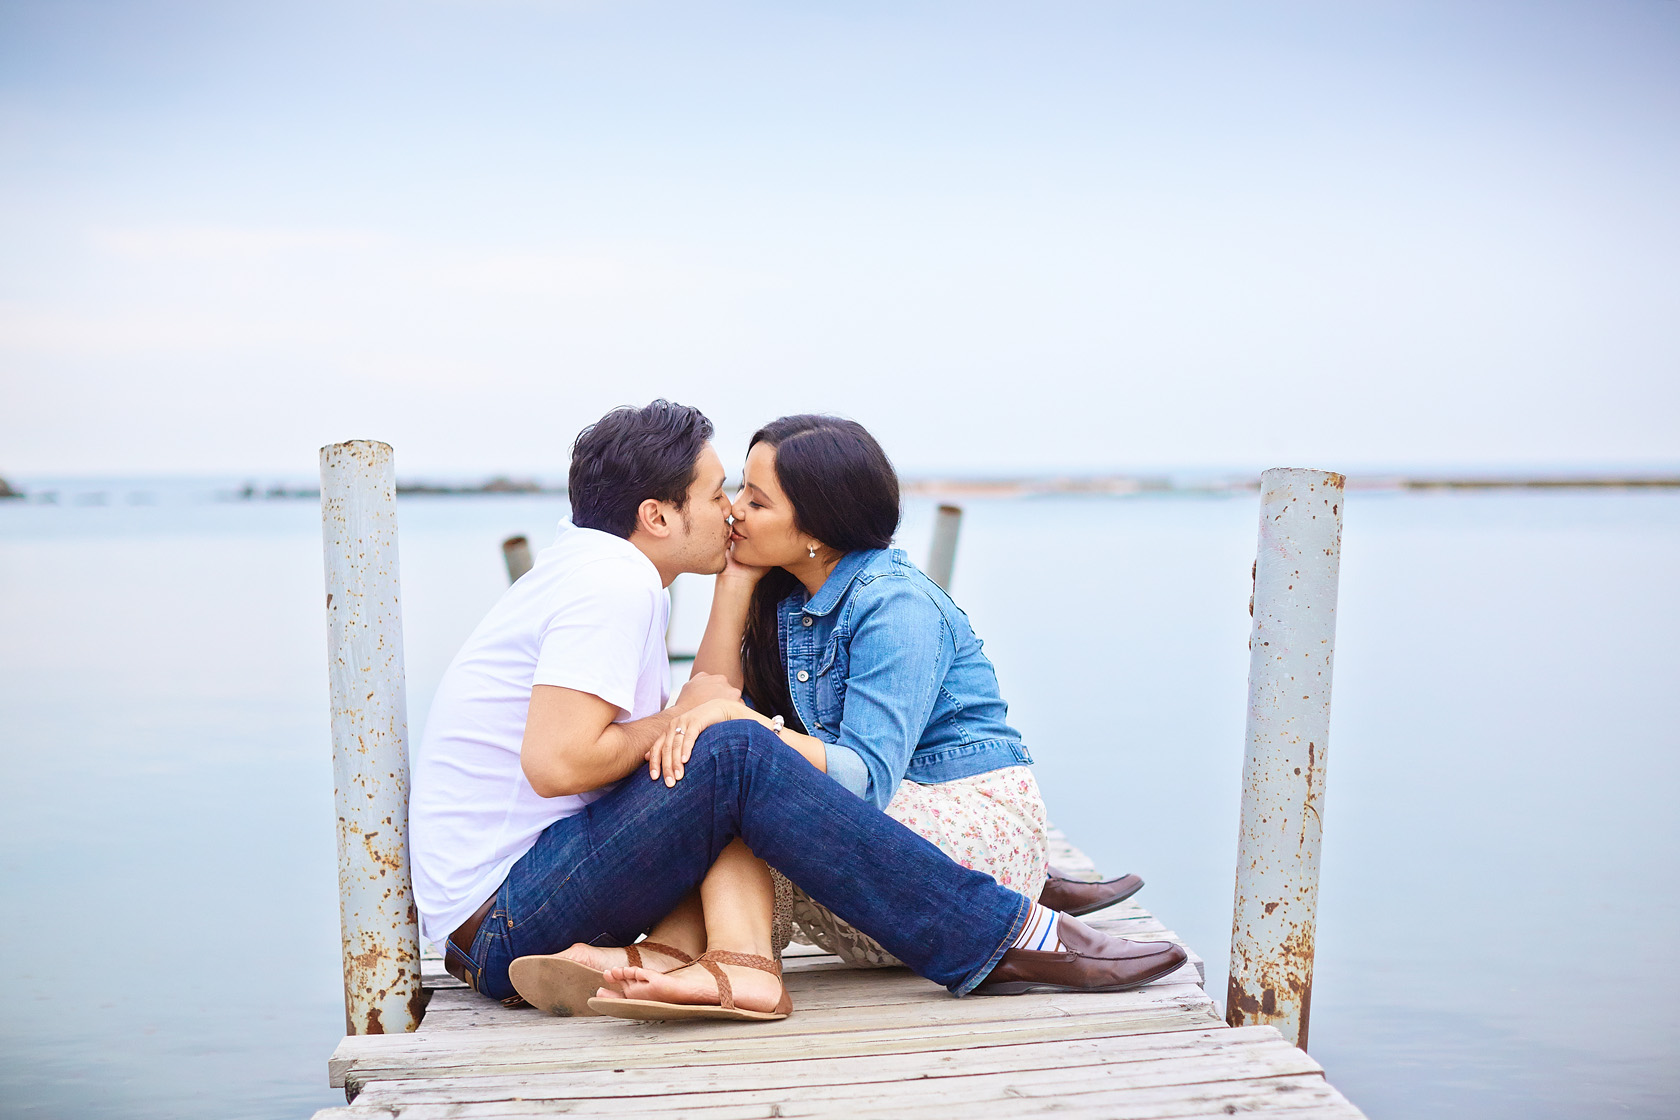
x,y
745,960
712,959
726,994
634,952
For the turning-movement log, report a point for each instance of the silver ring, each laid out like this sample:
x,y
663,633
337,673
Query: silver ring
x,y
679,731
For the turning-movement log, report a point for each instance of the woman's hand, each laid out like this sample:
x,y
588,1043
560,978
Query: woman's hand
x,y
734,570
671,750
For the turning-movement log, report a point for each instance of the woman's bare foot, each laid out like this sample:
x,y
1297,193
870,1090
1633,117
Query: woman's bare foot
x,y
601,959
753,989
562,983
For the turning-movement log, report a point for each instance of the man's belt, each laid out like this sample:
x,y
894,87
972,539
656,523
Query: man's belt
x,y
456,961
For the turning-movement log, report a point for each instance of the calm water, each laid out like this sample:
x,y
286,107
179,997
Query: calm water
x,y
1499,912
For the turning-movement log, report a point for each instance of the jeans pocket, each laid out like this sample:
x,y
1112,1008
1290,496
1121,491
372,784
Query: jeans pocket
x,y
491,953
479,950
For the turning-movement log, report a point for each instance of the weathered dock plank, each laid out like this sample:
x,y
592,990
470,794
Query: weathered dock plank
x,y
1211,1071
1063,1090
544,1043
805,1072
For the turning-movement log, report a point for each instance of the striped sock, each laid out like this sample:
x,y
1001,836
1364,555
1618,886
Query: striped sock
x,y
1039,932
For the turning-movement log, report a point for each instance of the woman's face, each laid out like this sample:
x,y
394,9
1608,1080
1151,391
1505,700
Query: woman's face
x,y
764,535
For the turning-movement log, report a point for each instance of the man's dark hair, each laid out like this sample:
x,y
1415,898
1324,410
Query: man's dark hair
x,y
633,454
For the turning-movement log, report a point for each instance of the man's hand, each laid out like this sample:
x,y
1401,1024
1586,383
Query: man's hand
x,y
702,688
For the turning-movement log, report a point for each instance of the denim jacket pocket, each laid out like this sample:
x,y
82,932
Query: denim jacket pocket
x,y
831,686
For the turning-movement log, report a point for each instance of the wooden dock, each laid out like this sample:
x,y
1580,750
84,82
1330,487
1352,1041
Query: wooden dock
x,y
860,1043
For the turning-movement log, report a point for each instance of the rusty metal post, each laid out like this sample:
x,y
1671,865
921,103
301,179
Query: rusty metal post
x,y
517,552
377,918
1291,650
942,557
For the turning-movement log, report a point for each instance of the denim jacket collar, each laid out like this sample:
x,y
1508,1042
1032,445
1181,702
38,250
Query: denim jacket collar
x,y
834,587
885,670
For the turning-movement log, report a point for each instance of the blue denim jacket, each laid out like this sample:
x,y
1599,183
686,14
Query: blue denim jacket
x,y
885,669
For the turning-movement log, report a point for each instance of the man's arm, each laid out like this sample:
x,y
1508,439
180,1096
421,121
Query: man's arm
x,y
572,745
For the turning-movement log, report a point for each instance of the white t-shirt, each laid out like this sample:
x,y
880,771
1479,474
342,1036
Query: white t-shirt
x,y
589,615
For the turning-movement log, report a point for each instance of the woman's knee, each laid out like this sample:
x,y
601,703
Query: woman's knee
x,y
743,738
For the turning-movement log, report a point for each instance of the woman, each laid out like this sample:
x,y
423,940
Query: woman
x,y
876,674
866,668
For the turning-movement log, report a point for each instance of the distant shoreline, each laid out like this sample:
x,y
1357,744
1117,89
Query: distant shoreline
x,y
1118,485
1126,485
1101,485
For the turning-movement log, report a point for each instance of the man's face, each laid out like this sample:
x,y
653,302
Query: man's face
x,y
700,533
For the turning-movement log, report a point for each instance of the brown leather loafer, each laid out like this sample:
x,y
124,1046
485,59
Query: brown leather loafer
x,y
1070,896
1089,962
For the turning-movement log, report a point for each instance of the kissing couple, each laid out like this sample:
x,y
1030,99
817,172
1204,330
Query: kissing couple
x,y
838,767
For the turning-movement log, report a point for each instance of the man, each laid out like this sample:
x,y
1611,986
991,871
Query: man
x,y
527,837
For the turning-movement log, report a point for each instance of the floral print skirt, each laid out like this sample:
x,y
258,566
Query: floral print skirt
x,y
993,822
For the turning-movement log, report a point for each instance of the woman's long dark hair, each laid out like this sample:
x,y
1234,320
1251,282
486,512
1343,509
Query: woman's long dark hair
x,y
844,492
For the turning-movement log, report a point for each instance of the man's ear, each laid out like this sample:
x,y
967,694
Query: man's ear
x,y
650,519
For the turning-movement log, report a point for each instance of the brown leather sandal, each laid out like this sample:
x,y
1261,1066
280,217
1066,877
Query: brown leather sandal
x,y
562,986
725,1007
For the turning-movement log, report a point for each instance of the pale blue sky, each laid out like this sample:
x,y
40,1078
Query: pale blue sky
x,y
1007,237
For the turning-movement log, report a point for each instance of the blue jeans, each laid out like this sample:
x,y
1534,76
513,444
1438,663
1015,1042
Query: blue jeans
x,y
608,874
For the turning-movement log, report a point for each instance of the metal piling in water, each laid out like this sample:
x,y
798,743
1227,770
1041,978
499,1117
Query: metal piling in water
x,y
377,918
942,556
517,552
1291,654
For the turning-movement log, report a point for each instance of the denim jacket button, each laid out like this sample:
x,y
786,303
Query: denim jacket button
x,y
803,676
806,621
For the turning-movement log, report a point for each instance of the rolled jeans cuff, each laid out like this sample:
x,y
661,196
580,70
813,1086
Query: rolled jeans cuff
x,y
978,975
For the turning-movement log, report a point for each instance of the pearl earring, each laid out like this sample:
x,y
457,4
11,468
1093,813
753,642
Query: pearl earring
x,y
813,550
